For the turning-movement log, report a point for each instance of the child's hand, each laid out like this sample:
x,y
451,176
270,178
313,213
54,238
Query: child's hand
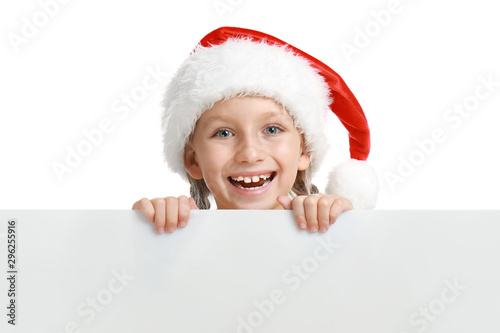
x,y
166,213
316,211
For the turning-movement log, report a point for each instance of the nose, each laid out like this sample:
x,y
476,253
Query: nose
x,y
249,150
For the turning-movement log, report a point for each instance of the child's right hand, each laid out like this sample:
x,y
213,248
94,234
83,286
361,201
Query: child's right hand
x,y
166,213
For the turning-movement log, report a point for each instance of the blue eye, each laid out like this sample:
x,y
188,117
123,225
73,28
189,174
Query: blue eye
x,y
272,130
224,133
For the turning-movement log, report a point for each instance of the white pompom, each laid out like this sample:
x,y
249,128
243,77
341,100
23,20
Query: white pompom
x,y
354,180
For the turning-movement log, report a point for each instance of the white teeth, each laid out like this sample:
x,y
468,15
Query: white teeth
x,y
253,188
250,179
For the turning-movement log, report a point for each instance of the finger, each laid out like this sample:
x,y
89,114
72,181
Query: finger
x,y
285,202
311,212
348,204
171,213
193,204
324,210
338,206
146,207
159,218
184,208
298,212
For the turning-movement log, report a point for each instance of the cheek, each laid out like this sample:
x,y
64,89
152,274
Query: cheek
x,y
212,157
287,150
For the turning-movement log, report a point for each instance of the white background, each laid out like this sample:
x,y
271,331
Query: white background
x,y
64,79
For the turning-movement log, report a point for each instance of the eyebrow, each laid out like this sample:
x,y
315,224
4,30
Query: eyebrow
x,y
271,115
276,116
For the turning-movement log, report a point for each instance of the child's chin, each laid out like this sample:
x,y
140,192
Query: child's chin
x,y
258,205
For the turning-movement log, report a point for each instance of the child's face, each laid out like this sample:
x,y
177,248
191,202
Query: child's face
x,y
242,139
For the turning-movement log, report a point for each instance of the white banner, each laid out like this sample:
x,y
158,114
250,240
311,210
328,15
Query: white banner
x,y
69,271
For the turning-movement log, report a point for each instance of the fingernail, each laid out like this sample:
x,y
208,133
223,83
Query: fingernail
x,y
313,229
170,229
302,226
323,229
331,222
161,230
182,224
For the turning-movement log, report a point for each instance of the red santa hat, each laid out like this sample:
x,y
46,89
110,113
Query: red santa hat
x,y
231,62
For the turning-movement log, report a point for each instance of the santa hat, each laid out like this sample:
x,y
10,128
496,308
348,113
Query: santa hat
x,y
231,62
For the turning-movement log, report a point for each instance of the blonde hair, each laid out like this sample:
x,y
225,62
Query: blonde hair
x,y
200,193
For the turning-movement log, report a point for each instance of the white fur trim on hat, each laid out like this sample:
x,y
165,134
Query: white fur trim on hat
x,y
354,180
243,67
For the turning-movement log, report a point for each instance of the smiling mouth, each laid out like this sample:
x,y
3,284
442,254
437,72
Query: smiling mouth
x,y
252,183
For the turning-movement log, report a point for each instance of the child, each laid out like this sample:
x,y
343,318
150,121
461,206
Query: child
x,y
244,121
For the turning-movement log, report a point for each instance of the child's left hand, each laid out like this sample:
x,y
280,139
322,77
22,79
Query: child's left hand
x,y
316,211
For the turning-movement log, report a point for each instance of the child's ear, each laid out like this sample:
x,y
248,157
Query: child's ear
x,y
191,164
304,158
304,161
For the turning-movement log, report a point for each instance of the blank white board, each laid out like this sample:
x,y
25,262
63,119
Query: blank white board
x,y
251,271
